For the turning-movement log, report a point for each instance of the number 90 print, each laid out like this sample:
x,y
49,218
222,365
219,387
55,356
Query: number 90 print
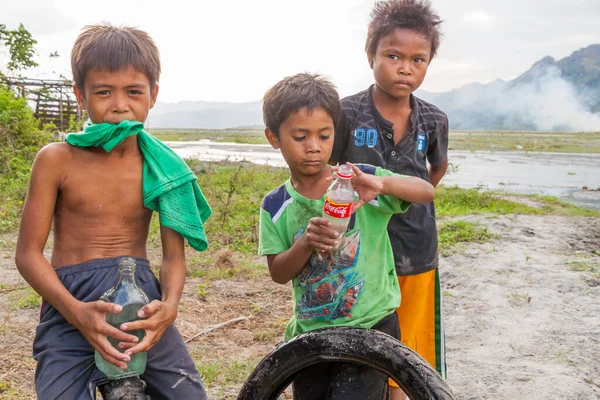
x,y
368,137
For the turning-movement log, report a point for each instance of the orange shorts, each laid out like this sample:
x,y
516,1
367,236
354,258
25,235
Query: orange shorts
x,y
420,318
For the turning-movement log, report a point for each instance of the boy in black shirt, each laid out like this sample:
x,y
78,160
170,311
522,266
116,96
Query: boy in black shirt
x,y
387,126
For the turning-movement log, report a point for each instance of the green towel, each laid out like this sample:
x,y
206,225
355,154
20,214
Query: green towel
x,y
169,186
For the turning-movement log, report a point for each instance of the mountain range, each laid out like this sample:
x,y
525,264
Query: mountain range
x,y
551,95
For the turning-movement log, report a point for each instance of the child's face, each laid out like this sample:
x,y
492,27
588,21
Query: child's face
x,y
116,96
305,140
400,62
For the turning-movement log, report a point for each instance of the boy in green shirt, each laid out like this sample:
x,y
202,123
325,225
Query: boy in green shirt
x,y
356,286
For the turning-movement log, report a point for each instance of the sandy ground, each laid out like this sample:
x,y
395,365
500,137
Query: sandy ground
x,y
522,322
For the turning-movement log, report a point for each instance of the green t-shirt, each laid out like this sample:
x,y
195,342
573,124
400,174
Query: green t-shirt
x,y
355,287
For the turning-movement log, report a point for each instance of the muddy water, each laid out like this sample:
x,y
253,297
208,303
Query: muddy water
x,y
562,175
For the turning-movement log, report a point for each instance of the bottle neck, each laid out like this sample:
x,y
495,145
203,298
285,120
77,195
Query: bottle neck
x,y
343,181
126,275
127,271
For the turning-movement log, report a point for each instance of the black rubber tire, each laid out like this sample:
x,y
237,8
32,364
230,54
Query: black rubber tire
x,y
132,388
342,344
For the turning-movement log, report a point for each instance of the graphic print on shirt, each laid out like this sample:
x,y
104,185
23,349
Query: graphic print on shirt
x,y
365,136
329,283
421,142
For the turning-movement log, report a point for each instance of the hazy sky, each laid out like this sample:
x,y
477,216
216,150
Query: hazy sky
x,y
235,50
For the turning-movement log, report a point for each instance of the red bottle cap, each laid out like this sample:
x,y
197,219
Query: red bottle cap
x,y
345,171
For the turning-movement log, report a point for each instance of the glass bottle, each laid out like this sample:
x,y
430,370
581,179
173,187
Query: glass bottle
x,y
130,296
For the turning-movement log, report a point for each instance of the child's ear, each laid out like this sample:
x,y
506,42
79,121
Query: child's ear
x,y
371,62
79,96
154,95
272,138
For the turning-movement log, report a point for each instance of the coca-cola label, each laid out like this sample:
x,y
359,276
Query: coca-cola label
x,y
337,210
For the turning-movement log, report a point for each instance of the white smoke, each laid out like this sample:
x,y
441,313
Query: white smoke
x,y
543,100
550,103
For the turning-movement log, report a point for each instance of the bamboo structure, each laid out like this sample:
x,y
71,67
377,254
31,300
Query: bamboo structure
x,y
52,100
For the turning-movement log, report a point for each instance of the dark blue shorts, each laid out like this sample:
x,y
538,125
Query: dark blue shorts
x,y
65,360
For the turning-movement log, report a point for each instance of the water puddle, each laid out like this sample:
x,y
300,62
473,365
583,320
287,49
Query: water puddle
x,y
572,177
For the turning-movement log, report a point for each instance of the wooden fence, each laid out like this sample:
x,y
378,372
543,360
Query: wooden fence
x,y
52,101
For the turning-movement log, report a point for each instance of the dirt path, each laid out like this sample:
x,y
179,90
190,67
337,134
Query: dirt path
x,y
522,316
521,322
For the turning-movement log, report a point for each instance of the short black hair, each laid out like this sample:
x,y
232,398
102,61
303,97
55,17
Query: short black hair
x,y
113,48
295,92
416,15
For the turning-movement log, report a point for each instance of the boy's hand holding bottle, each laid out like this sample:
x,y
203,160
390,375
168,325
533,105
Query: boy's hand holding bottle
x,y
366,186
132,327
328,233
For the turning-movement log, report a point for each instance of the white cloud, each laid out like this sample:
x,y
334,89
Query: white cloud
x,y
41,18
478,18
234,50
440,65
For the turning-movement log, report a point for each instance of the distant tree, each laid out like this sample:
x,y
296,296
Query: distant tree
x,y
20,45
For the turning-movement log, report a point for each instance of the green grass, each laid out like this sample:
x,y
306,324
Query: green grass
x,y
8,392
455,201
25,298
518,298
553,205
235,192
452,234
564,142
202,290
584,266
20,140
12,194
223,373
591,269
218,266
154,232
209,372
199,264
250,136
215,274
266,334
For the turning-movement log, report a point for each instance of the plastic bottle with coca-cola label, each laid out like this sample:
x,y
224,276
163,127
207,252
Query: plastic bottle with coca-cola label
x,y
338,204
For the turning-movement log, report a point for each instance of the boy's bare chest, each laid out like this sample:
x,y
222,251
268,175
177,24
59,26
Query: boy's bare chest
x,y
100,189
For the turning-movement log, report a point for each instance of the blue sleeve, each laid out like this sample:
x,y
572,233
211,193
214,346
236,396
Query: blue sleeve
x,y
386,204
